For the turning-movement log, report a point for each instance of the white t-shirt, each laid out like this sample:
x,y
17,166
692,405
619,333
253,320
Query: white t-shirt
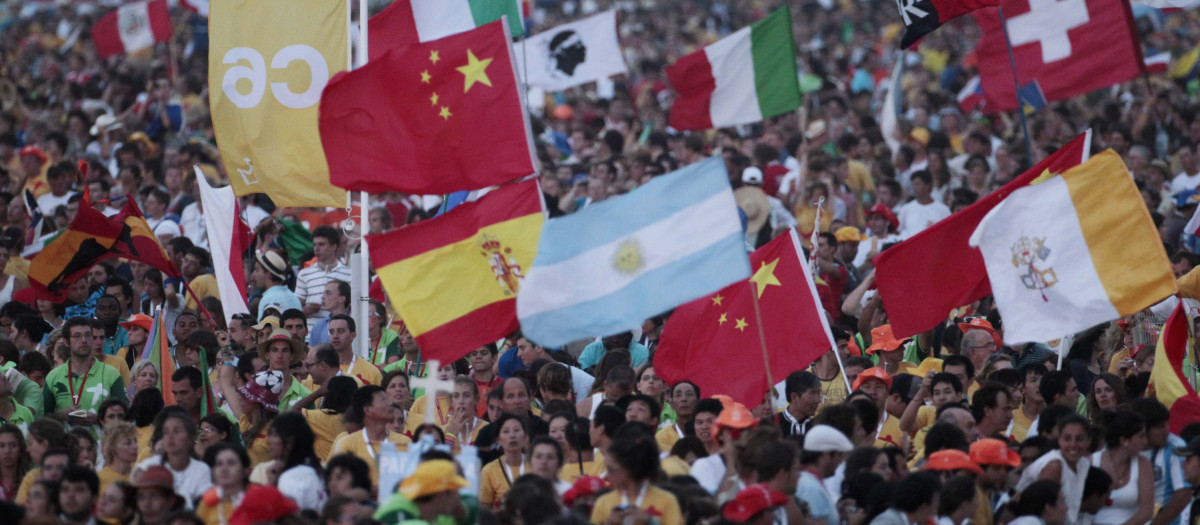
x,y
50,202
191,482
304,486
915,217
192,222
873,242
708,471
1182,182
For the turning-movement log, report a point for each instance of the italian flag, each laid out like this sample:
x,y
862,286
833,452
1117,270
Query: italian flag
x,y
745,77
424,20
132,27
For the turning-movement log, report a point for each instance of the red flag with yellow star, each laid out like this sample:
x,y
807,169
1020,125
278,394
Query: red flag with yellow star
x,y
437,117
714,341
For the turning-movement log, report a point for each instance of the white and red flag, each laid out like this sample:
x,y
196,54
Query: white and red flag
x,y
132,27
228,238
1070,47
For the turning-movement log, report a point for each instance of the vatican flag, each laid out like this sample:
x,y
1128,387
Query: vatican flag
x,y
268,62
1073,251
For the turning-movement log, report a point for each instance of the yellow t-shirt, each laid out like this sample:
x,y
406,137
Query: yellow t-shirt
x,y
107,476
495,480
657,502
257,449
926,415
1114,363
204,286
675,466
833,391
145,447
214,514
983,511
117,362
667,438
364,371
889,433
416,416
18,267
573,470
1020,425
326,427
27,482
971,391
354,443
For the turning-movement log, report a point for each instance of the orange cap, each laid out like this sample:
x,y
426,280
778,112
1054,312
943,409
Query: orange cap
x,y
952,459
991,451
980,323
882,340
142,321
872,373
726,401
735,416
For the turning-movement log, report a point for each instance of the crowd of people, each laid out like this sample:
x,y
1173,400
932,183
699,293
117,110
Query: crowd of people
x,y
272,417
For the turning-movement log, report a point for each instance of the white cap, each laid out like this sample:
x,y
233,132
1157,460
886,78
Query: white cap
x,y
824,438
752,175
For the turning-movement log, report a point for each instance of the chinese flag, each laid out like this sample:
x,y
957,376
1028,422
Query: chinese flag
x,y
935,271
714,341
430,118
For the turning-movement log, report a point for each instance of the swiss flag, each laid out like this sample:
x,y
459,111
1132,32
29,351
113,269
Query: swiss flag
x,y
1070,47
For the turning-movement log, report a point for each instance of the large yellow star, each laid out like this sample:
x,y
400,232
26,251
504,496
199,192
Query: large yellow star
x,y
475,71
445,113
1045,176
434,99
765,276
741,324
722,319
717,300
433,56
425,77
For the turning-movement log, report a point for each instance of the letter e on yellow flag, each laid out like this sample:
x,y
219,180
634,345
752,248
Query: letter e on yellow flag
x,y
269,60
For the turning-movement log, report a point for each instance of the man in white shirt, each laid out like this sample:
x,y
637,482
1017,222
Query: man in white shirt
x,y
922,212
59,178
311,281
1189,178
881,230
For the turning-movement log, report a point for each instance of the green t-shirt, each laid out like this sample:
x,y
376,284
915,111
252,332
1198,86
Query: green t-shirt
x,y
292,395
21,416
101,382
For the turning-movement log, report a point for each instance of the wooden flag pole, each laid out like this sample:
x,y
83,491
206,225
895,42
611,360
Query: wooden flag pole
x,y
1017,85
762,343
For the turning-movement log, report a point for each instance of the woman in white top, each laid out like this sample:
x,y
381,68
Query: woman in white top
x,y
290,443
545,458
175,434
1132,498
1068,465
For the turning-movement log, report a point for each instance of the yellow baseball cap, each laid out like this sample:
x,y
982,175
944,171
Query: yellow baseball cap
x,y
432,477
848,234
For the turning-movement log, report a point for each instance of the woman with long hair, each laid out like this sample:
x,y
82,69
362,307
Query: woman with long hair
x,y
545,460
579,456
395,383
82,445
290,442
214,428
120,448
175,435
255,406
326,420
632,463
117,504
14,460
43,435
230,466
497,477
145,407
42,501
1068,464
1132,498
1108,392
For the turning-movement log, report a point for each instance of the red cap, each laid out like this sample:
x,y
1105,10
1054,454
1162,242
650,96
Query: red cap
x,y
33,151
752,500
872,373
269,505
882,210
952,459
991,451
882,340
584,486
735,416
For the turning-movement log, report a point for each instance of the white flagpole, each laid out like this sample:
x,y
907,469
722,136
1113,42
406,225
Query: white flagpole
x,y
361,283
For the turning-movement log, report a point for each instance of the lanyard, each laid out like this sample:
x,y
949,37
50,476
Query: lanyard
x,y
1008,431
640,497
71,384
371,451
879,429
678,431
505,470
442,420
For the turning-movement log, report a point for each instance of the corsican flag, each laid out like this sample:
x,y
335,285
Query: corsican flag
x,y
571,54
745,77
613,264
1073,251
415,21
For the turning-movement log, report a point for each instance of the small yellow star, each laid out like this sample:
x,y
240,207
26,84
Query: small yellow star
x,y
475,71
741,324
445,113
717,300
722,319
434,99
425,77
433,56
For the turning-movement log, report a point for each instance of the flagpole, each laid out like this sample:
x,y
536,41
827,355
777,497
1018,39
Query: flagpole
x,y
1017,91
361,317
762,343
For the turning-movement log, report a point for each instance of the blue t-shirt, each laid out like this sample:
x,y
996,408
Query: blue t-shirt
x,y
594,352
510,363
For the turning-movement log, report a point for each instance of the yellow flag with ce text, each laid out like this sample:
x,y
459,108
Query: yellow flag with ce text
x,y
269,60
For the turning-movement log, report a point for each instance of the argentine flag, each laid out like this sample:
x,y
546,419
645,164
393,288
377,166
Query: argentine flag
x,y
608,267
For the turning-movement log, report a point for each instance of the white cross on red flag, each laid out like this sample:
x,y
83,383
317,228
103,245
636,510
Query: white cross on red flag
x,y
1070,47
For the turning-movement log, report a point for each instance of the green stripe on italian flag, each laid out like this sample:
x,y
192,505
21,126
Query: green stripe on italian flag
x,y
743,78
441,18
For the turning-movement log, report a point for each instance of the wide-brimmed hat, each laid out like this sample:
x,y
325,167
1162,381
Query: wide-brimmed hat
x,y
872,373
882,340
264,389
155,477
952,459
279,334
273,263
142,321
432,477
991,451
105,123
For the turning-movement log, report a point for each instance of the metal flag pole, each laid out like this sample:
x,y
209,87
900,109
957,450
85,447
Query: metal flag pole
x,y
1017,87
363,276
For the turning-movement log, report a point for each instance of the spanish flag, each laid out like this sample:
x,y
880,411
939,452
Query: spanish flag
x,y
454,279
1073,251
1167,381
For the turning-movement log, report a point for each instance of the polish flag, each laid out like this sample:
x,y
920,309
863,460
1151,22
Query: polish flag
x,y
1157,64
132,27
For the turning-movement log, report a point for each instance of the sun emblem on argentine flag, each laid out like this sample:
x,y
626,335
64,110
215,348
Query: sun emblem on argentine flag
x,y
628,258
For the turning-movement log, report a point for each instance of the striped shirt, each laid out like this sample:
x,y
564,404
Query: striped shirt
x,y
311,281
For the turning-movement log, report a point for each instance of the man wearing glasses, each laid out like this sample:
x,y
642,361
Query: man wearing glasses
x,y
75,389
